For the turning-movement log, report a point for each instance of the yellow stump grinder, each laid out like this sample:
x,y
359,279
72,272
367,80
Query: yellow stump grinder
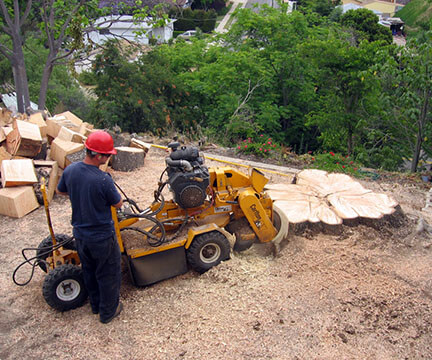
x,y
213,211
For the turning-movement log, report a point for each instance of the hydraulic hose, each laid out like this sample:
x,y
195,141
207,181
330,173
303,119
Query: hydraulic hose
x,y
35,260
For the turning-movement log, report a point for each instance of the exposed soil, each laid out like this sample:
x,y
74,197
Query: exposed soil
x,y
362,290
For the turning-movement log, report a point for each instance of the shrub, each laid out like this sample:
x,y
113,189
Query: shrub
x,y
262,146
334,162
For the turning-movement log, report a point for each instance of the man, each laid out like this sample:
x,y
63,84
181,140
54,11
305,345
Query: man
x,y
92,193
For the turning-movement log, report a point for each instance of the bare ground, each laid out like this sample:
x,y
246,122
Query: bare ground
x,y
359,291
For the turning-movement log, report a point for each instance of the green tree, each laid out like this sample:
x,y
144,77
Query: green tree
x,y
365,25
137,96
407,77
62,27
345,89
277,36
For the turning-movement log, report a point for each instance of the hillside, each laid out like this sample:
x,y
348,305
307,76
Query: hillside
x,y
416,14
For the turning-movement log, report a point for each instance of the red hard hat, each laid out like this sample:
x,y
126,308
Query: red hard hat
x,y
101,142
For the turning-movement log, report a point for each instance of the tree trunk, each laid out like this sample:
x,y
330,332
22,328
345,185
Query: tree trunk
x,y
44,83
417,149
350,139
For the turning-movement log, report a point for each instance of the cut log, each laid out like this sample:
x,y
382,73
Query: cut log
x,y
17,172
55,123
61,148
70,135
140,145
75,157
39,120
48,169
43,152
5,117
17,201
24,140
72,118
128,158
7,129
2,135
80,155
4,155
86,129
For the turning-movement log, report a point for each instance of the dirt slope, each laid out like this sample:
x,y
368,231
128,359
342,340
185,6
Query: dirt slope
x,y
359,291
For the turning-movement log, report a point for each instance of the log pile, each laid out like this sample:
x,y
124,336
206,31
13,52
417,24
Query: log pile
x,y
39,147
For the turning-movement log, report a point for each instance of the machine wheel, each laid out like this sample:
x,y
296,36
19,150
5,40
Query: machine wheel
x,y
242,227
63,288
45,248
208,250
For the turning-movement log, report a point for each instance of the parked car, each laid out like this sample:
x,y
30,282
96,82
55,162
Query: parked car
x,y
187,35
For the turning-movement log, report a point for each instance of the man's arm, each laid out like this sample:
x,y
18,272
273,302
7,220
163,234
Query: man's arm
x,y
61,192
119,204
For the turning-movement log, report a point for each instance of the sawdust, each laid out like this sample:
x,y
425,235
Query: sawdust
x,y
362,290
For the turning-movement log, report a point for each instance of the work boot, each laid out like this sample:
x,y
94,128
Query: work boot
x,y
117,313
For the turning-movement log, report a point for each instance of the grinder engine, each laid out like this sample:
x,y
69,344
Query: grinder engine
x,y
188,177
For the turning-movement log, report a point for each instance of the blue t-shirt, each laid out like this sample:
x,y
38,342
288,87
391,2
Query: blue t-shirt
x,y
91,192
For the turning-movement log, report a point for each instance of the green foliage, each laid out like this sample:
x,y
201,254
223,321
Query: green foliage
x,y
190,19
5,67
321,7
335,162
87,78
217,5
347,91
407,81
366,26
140,96
261,145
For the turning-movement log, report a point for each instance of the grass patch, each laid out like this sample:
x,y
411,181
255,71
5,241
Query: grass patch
x,y
416,15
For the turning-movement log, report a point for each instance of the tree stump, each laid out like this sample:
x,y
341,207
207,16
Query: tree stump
x,y
127,158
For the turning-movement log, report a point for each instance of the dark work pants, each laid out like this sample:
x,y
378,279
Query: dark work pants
x,y
100,261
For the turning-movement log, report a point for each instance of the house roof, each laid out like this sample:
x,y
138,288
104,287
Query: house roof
x,y
351,6
10,101
124,22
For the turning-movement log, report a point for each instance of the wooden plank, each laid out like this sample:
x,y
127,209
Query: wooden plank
x,y
38,119
17,172
70,135
52,168
24,140
17,201
61,148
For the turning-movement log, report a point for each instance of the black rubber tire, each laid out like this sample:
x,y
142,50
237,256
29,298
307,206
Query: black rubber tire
x,y
45,248
63,288
208,250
